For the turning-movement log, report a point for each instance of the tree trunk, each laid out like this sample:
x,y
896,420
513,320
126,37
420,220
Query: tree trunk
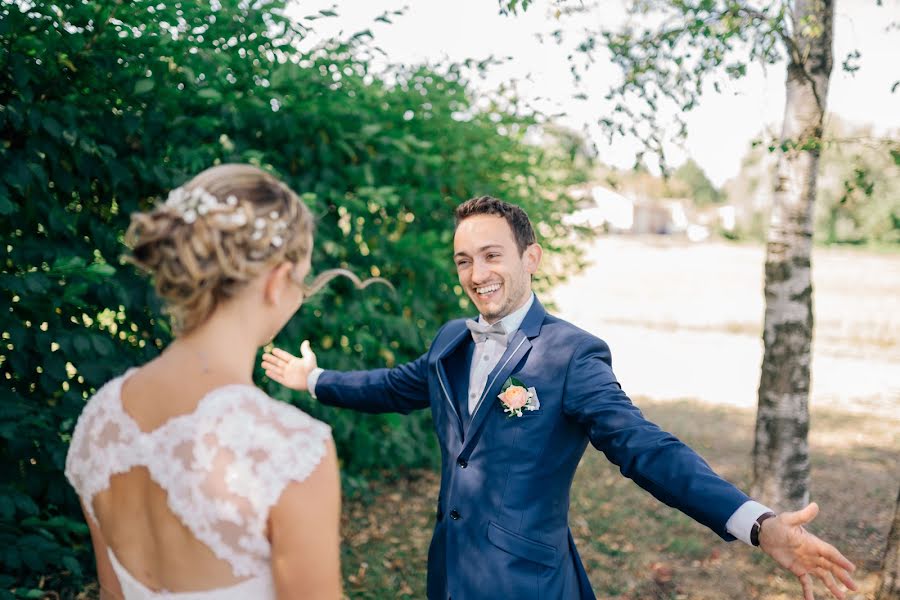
x,y
781,453
890,568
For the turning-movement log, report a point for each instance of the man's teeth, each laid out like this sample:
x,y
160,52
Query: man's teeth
x,y
488,289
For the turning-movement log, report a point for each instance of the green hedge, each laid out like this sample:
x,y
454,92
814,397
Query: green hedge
x,y
104,107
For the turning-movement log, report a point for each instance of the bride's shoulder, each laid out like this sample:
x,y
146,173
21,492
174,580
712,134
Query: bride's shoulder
x,y
255,408
103,401
285,443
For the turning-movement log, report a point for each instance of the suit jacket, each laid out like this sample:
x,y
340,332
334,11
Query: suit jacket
x,y
502,514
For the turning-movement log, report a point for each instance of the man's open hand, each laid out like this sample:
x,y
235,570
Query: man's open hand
x,y
803,554
289,370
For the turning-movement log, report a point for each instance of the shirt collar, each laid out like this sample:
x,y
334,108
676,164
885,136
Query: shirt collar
x,y
513,320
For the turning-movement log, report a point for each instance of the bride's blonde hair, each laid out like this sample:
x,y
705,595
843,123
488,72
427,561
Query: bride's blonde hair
x,y
216,233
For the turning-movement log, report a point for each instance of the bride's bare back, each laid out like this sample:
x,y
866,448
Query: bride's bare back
x,y
181,477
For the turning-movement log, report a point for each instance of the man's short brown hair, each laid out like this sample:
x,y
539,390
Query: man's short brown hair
x,y
517,219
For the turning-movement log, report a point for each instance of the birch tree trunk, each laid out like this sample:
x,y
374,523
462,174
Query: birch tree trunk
x,y
781,453
890,568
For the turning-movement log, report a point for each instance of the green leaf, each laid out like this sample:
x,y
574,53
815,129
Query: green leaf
x,y
102,269
6,207
7,508
71,564
209,94
36,283
82,344
102,345
52,127
143,86
68,264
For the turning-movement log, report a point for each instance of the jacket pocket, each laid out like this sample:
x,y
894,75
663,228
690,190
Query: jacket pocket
x,y
520,546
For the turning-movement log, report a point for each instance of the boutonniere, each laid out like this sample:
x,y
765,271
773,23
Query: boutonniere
x,y
515,398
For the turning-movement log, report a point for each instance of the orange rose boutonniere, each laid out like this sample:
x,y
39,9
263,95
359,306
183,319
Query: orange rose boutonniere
x,y
516,398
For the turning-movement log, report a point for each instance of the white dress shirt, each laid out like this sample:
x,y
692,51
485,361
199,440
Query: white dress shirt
x,y
486,356
488,353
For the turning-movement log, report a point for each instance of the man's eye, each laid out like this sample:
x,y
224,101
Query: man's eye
x,y
492,256
461,263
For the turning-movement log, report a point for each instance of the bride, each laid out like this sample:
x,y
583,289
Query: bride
x,y
195,484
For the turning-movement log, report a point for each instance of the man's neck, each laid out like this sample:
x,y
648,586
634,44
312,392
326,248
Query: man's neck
x,y
520,309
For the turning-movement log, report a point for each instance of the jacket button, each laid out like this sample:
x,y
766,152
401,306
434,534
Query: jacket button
x,y
454,514
462,463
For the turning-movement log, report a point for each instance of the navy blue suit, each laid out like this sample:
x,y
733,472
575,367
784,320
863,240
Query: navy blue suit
x,y
502,515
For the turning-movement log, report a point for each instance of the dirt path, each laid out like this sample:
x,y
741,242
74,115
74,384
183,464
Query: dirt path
x,y
684,321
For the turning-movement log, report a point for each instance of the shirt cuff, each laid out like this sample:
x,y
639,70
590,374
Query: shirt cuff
x,y
311,380
741,521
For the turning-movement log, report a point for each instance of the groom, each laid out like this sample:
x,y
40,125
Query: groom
x,y
516,396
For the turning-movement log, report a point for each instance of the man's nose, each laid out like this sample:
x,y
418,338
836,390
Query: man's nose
x,y
480,272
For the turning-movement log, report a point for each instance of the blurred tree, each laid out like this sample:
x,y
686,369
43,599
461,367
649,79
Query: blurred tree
x,y
668,56
889,588
858,191
699,188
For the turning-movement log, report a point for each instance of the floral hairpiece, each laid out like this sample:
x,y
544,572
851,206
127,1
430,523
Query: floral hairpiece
x,y
197,202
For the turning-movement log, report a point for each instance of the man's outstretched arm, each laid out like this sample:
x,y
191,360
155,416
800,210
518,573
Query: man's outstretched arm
x,y
676,475
401,389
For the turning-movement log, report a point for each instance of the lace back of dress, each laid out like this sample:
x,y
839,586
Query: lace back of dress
x,y
223,466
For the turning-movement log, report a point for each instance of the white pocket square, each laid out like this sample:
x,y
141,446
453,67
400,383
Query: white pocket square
x,y
535,401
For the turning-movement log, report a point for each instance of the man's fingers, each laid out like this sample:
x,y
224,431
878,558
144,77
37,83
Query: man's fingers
x,y
305,349
285,356
806,583
834,555
270,366
844,577
830,583
276,377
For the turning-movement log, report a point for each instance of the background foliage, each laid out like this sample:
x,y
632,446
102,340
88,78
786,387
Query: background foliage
x,y
106,105
858,199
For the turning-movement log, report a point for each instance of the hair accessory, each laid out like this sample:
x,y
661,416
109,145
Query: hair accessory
x,y
197,202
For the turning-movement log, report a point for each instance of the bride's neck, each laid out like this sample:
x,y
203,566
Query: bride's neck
x,y
222,345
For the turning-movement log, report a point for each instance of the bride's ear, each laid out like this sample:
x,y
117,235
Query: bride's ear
x,y
277,282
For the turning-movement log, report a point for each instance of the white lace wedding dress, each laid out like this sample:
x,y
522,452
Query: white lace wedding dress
x,y
223,467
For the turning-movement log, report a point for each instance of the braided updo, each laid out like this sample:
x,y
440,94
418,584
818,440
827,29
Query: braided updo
x,y
198,259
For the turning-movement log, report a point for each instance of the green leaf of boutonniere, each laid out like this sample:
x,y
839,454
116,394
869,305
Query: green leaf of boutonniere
x,y
511,382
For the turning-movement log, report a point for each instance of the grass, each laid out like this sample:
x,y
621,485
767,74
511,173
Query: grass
x,y
636,548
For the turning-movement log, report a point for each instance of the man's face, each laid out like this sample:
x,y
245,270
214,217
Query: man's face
x,y
491,271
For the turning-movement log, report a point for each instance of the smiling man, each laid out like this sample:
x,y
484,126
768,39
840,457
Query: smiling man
x,y
516,396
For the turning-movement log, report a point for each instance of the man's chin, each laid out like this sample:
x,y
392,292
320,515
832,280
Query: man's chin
x,y
491,310
491,313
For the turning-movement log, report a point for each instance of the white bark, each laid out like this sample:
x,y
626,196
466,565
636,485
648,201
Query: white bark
x,y
781,454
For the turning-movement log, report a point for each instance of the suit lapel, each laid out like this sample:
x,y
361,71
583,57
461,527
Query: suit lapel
x,y
443,364
517,348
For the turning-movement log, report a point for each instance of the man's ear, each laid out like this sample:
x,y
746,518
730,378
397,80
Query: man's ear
x,y
276,282
532,258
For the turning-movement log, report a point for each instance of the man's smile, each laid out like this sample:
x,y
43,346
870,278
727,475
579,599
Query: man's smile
x,y
487,291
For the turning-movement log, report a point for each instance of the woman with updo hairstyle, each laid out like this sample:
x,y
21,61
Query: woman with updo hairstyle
x,y
196,484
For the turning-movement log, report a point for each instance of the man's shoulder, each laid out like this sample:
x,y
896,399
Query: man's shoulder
x,y
561,330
